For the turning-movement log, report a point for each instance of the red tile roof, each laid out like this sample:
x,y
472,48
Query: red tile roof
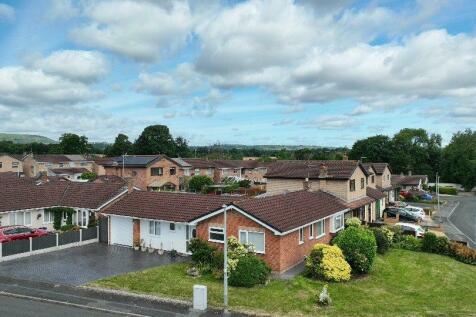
x,y
303,169
29,194
200,163
379,168
360,202
292,210
375,193
176,207
51,158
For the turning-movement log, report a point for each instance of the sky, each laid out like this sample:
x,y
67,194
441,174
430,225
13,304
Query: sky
x,y
306,72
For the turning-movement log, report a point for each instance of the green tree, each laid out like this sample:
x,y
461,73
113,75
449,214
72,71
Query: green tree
x,y
121,146
199,183
90,176
155,139
71,143
375,149
459,159
181,147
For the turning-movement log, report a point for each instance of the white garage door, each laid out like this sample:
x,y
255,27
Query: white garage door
x,y
121,231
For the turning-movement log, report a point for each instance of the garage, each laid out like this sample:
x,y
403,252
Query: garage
x,y
121,231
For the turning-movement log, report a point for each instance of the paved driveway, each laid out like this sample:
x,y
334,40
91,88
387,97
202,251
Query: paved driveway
x,y
80,265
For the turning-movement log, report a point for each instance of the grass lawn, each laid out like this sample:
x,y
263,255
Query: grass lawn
x,y
402,283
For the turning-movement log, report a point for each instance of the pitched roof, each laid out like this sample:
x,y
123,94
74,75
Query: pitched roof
x,y
26,193
379,168
368,167
109,179
51,158
375,193
292,210
175,207
360,202
303,169
180,162
130,160
411,180
199,163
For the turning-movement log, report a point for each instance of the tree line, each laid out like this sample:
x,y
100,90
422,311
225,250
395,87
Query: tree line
x,y
420,152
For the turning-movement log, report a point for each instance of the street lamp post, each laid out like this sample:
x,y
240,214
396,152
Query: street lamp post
x,y
225,266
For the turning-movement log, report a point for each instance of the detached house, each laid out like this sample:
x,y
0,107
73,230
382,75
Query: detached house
x,y
283,228
55,165
24,201
407,182
346,179
11,163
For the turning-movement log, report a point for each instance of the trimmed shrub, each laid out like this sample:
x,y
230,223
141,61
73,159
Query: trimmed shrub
x,y
327,262
249,271
463,253
383,237
448,191
409,243
353,222
359,247
202,252
199,183
430,243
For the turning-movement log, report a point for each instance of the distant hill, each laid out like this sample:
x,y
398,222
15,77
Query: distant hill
x,y
25,138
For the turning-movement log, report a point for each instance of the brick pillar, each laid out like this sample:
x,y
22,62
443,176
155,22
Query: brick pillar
x,y
136,232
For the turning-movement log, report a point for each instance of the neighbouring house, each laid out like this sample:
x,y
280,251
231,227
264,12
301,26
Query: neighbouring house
x,y
24,200
283,228
345,179
252,170
201,167
71,173
409,182
11,163
150,172
36,164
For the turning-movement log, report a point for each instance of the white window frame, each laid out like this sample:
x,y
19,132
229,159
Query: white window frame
x,y
23,215
246,232
323,228
311,231
155,228
210,229
52,216
301,236
186,172
334,229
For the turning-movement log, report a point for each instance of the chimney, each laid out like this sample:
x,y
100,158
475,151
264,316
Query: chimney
x,y
345,157
401,174
306,185
410,173
130,184
322,171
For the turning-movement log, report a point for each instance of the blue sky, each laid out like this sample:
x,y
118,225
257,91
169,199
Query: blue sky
x,y
250,72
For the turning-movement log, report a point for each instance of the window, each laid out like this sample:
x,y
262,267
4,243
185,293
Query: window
x,y
156,171
197,171
388,177
61,164
48,217
373,179
14,164
1,164
216,234
320,229
20,218
311,231
254,238
210,171
352,185
362,183
172,171
186,172
154,228
301,236
172,226
338,222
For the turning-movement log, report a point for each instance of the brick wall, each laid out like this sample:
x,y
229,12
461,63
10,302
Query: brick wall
x,y
136,232
281,252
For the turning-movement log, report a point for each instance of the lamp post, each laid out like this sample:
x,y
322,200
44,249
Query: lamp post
x,y
225,264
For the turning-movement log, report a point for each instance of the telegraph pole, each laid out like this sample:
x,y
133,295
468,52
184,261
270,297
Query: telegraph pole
x,y
225,266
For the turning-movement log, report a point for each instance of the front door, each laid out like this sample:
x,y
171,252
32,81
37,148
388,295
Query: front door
x,y
83,217
377,209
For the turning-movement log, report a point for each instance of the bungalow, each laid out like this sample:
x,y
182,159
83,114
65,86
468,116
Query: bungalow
x,y
407,182
25,201
283,228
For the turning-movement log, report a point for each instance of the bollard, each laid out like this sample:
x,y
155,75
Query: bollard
x,y
199,297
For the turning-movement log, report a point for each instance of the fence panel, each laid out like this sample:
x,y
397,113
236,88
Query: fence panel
x,y
68,237
15,247
90,233
44,242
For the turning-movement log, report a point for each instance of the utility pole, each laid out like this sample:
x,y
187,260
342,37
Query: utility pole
x,y
123,158
225,266
438,195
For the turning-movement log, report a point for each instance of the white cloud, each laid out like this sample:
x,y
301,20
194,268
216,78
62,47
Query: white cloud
x,y
330,122
7,13
85,66
360,110
24,87
61,10
142,30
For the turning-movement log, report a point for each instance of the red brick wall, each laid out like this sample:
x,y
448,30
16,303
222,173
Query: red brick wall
x,y
136,232
281,252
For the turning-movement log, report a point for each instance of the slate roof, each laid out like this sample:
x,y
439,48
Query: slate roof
x,y
26,193
374,193
175,207
292,210
302,169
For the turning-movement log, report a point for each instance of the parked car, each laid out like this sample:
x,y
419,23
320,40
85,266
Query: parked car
x,y
411,228
11,233
398,203
426,197
417,211
404,213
